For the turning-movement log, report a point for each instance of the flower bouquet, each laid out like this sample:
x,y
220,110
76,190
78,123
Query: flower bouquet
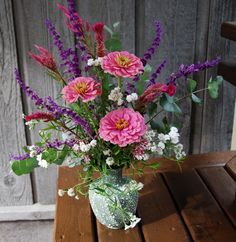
x,y
108,118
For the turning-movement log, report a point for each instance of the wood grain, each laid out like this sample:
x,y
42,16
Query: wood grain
x,y
203,216
108,235
73,221
216,125
160,219
30,28
176,17
231,167
223,187
14,190
26,231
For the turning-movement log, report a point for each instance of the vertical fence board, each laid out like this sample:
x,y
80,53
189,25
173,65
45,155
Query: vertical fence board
x,y
178,19
30,17
218,114
14,190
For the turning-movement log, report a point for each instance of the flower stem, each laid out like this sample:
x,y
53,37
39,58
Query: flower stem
x,y
120,82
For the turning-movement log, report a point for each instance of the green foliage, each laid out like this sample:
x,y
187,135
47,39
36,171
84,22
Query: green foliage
x,y
161,126
152,108
114,42
213,86
54,156
169,105
191,85
143,79
21,167
196,99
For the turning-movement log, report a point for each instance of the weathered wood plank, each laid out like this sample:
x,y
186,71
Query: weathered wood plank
x,y
178,19
14,190
215,130
29,212
223,188
107,235
30,28
73,221
228,30
34,231
203,216
231,167
160,219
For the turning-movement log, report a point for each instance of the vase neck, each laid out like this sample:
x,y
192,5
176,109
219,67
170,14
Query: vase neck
x,y
113,176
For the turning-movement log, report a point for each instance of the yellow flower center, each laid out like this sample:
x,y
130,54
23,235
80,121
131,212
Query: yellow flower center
x,y
80,88
122,60
121,124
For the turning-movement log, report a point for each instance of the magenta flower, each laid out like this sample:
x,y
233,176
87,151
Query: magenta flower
x,y
98,29
122,127
39,116
85,88
122,64
45,58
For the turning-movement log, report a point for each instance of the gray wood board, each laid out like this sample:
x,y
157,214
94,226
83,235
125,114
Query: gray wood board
x,y
14,190
26,231
30,28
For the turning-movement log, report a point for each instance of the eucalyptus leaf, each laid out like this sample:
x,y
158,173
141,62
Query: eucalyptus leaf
x,y
169,105
21,167
196,99
213,86
191,85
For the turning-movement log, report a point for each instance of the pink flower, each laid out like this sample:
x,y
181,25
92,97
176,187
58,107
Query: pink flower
x,y
44,58
122,127
98,29
122,64
85,88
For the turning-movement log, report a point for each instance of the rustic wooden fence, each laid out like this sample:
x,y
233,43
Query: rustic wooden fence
x,y
191,33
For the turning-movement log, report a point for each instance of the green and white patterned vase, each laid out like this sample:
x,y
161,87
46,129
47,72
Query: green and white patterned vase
x,y
114,200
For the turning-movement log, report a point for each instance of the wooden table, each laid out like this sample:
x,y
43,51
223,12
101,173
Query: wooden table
x,y
195,205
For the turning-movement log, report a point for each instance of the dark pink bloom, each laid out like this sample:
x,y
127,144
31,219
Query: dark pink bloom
x,y
39,116
122,127
45,58
122,64
85,88
98,29
171,89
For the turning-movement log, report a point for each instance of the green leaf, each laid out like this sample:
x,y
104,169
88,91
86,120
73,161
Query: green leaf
x,y
115,25
191,85
196,99
21,167
143,79
61,155
154,165
213,86
108,29
169,105
152,108
113,44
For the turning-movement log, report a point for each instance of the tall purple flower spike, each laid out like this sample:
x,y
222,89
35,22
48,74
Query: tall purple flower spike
x,y
65,55
156,73
184,71
155,44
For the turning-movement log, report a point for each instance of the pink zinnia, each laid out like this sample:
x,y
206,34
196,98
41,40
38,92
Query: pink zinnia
x,y
122,127
85,88
122,64
45,58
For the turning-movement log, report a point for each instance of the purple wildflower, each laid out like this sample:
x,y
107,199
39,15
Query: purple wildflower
x,y
20,157
155,44
184,71
156,73
27,90
57,144
72,65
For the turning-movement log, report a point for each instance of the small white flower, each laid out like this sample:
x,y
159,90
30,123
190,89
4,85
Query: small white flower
x,y
183,154
90,62
60,192
153,148
84,147
119,102
75,147
132,97
175,140
133,221
174,130
161,145
116,96
33,153
159,151
31,123
31,147
41,162
22,115
65,136
110,161
77,197
71,192
139,186
107,152
145,157
163,137
93,143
